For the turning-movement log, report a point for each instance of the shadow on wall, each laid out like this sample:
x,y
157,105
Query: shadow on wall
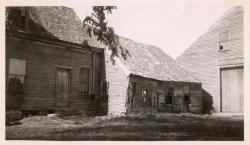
x,y
207,102
103,101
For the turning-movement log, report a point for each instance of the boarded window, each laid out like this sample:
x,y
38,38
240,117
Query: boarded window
x,y
84,80
16,76
161,99
170,94
62,85
224,40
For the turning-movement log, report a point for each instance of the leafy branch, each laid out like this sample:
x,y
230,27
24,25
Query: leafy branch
x,y
104,33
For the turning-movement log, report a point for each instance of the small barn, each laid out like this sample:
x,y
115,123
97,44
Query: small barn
x,y
217,60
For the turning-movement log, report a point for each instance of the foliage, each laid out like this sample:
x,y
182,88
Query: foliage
x,y
12,14
104,33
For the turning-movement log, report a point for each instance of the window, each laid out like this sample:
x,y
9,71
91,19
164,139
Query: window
x,y
16,76
146,99
169,98
186,93
84,80
144,95
224,40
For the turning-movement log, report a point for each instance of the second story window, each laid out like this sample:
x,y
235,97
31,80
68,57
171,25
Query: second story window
x,y
224,41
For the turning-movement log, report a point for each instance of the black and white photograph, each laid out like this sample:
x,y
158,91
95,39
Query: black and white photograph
x,y
146,71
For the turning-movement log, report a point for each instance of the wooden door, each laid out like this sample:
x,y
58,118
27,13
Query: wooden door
x,y
232,90
62,89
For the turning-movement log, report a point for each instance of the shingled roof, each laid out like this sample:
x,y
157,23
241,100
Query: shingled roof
x,y
63,23
151,62
146,60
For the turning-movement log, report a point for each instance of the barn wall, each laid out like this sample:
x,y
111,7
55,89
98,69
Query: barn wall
x,y
156,89
41,62
118,84
204,59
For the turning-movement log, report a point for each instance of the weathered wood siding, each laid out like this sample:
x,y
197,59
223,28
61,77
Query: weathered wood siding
x,y
42,59
156,89
204,59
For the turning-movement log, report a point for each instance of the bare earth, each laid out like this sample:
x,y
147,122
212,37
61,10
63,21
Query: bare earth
x,y
174,127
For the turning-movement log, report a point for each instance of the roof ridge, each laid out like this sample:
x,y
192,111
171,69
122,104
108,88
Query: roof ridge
x,y
210,28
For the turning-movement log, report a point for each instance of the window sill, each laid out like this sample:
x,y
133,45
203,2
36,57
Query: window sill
x,y
224,50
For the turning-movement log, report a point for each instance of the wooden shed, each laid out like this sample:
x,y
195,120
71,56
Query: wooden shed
x,y
151,81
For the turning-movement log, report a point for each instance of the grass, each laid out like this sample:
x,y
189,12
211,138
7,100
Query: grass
x,y
133,127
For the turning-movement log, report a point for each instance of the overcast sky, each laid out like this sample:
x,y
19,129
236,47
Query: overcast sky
x,y
170,24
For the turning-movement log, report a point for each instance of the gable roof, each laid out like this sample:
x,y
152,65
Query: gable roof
x,y
222,22
146,60
63,23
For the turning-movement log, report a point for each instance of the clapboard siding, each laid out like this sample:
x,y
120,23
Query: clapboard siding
x,y
42,59
118,84
203,57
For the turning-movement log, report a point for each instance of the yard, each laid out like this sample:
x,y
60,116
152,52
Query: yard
x,y
161,126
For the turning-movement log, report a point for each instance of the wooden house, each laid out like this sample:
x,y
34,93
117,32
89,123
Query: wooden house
x,y
47,72
216,59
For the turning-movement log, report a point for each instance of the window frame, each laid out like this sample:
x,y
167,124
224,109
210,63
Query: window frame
x,y
24,77
145,97
224,41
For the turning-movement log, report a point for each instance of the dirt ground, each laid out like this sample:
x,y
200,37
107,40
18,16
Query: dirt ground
x,y
146,127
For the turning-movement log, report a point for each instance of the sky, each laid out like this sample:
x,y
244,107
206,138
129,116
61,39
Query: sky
x,y
172,25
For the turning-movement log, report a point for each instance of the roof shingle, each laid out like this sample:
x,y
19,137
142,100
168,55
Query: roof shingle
x,y
146,60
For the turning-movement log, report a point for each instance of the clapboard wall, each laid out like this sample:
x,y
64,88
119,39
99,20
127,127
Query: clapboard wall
x,y
43,56
204,59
